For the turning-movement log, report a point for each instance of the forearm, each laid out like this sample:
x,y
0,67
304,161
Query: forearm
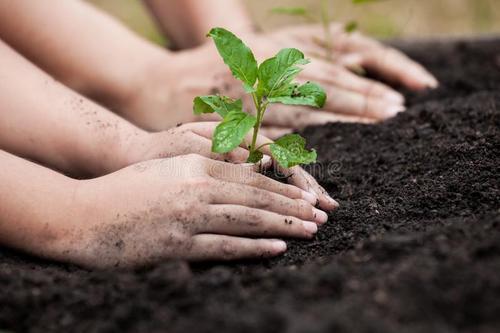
x,y
79,45
43,120
186,22
36,210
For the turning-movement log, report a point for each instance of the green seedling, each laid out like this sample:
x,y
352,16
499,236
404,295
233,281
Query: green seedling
x,y
267,83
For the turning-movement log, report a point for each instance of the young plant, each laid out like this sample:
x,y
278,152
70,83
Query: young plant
x,y
267,83
324,19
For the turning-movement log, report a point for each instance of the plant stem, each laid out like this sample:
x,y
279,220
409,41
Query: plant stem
x,y
263,145
258,107
325,20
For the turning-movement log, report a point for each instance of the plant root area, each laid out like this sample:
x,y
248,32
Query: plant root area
x,y
415,246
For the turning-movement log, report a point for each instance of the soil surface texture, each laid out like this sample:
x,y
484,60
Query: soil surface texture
x,y
415,246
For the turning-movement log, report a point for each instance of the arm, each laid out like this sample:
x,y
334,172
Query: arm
x,y
81,46
122,220
35,206
186,22
43,120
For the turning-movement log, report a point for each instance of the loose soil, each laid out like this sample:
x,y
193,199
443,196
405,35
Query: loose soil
x,y
415,246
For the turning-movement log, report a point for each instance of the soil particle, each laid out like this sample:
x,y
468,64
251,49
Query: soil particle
x,y
414,246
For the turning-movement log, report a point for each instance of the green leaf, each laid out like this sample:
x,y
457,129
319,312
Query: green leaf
x,y
220,104
351,26
277,72
309,94
290,151
293,11
231,131
255,156
236,55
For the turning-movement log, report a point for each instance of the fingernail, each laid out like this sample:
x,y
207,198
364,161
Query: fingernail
x,y
310,227
320,216
309,197
266,160
393,110
334,203
279,246
432,82
394,97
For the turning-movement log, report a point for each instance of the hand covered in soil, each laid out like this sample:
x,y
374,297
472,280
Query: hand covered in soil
x,y
187,207
351,97
170,83
195,138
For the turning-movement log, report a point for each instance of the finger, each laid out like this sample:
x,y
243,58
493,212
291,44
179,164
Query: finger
x,y
249,196
275,132
389,62
208,117
396,66
220,247
202,128
201,141
235,174
355,104
340,77
257,167
299,117
349,60
206,130
302,179
237,155
237,220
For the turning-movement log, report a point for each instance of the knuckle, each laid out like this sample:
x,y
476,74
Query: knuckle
x,y
254,220
291,190
303,208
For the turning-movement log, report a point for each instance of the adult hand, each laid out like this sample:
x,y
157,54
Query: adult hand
x,y
168,208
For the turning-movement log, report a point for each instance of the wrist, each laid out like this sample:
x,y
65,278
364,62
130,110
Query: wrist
x,y
124,149
150,91
59,221
72,223
134,79
147,146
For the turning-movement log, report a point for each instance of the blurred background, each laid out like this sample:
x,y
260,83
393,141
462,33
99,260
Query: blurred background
x,y
382,19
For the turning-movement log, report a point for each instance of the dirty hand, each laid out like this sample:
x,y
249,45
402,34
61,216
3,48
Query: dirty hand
x,y
350,97
195,138
187,207
171,84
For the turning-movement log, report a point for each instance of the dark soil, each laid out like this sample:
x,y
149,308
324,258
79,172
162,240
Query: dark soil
x,y
415,246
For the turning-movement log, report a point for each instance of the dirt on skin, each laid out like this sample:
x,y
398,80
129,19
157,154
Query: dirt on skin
x,y
415,246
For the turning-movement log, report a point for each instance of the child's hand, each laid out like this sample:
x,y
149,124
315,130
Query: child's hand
x,y
352,49
187,207
169,85
190,138
195,138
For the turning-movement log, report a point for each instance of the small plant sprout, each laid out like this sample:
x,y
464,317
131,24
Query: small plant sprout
x,y
324,19
267,83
